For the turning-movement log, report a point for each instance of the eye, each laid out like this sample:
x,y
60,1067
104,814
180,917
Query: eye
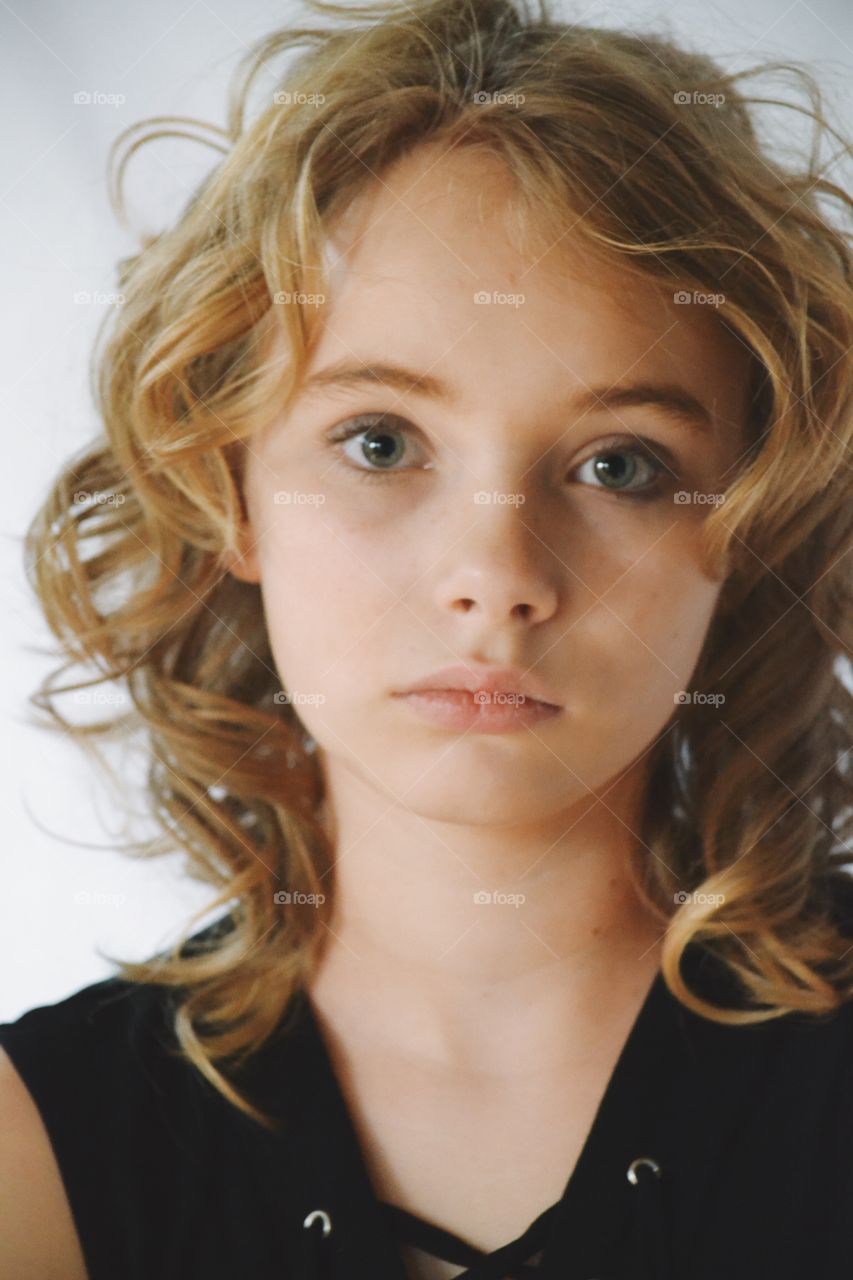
x,y
631,469
381,447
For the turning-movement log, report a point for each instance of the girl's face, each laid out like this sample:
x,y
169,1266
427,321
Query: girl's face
x,y
381,563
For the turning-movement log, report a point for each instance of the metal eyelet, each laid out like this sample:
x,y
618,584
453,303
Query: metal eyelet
x,y
319,1215
632,1168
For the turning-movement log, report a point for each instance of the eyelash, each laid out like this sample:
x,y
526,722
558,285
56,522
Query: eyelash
x,y
363,423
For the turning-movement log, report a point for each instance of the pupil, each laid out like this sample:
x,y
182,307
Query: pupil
x,y
375,447
612,467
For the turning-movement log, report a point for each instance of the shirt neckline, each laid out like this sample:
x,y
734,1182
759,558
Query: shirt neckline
x,y
643,1041
670,1057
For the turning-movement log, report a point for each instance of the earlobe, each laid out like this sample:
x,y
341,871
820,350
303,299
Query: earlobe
x,y
243,565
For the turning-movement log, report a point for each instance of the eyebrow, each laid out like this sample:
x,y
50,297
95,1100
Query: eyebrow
x,y
671,399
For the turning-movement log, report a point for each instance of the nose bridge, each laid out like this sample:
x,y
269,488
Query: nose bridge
x,y
500,494
503,517
509,479
504,465
510,500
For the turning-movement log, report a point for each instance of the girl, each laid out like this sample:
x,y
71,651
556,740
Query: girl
x,y
482,428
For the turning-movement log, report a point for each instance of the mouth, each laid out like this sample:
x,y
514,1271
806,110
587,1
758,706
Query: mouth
x,y
479,696
479,711
486,683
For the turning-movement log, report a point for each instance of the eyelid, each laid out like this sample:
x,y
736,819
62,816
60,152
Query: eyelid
x,y
657,451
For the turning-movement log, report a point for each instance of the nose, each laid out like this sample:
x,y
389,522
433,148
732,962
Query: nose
x,y
501,568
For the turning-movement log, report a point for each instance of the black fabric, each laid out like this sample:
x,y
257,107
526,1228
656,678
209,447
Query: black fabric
x,y
506,1261
738,1142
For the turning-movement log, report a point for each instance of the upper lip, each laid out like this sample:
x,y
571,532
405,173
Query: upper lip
x,y
475,677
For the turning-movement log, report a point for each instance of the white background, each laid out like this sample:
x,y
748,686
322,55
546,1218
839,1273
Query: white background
x,y
60,239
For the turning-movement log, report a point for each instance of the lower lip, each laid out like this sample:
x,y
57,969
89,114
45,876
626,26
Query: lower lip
x,y
457,709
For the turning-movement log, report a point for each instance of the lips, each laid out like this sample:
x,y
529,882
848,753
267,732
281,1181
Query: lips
x,y
460,711
475,678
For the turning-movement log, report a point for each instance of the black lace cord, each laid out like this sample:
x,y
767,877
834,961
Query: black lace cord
x,y
507,1261
651,1245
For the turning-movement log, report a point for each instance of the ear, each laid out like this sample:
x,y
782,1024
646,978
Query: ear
x,y
243,564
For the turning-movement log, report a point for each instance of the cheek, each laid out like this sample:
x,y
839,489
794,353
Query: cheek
x,y
643,647
669,609
322,596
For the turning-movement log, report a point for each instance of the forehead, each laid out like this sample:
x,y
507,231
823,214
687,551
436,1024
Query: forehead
x,y
415,253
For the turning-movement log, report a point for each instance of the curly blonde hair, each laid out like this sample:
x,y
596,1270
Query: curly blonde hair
x,y
651,154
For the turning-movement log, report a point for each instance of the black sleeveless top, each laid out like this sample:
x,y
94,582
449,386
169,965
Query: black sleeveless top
x,y
716,1151
439,1242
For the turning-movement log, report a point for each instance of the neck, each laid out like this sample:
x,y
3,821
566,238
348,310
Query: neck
x,y
416,965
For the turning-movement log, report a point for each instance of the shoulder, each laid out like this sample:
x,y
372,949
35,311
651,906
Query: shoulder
x,y
69,1071
73,1046
833,1032
791,1058
112,1127
38,1237
808,1057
